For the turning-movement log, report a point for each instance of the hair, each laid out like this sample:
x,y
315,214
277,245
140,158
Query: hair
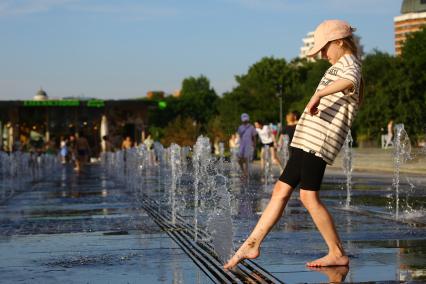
x,y
350,44
296,114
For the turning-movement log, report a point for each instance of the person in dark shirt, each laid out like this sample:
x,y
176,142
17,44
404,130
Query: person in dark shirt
x,y
291,119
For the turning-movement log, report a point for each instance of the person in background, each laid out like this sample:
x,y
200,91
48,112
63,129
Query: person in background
x,y
108,144
247,134
63,149
149,142
234,142
267,138
82,151
291,121
50,146
71,147
387,140
127,143
287,133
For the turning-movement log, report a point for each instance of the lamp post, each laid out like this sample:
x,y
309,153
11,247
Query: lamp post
x,y
280,95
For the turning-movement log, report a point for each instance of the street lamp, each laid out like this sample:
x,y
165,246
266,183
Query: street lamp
x,y
280,95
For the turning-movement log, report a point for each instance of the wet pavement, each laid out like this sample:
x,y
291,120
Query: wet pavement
x,y
86,228
83,228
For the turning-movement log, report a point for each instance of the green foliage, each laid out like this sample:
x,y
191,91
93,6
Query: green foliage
x,y
258,91
161,117
376,110
414,57
182,130
395,88
198,99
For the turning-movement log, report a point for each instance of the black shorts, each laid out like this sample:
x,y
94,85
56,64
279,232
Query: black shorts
x,y
304,168
269,144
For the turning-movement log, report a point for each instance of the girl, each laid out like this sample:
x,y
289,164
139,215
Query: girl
x,y
317,140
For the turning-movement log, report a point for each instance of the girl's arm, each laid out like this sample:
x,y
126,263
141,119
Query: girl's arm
x,y
337,86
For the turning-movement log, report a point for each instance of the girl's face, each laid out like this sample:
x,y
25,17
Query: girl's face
x,y
332,51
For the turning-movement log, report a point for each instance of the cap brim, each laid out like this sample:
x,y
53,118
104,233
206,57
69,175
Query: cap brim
x,y
314,50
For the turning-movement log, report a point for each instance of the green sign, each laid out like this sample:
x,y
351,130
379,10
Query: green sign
x,y
95,103
63,103
48,103
162,104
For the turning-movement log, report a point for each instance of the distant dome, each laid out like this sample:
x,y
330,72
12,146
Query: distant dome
x,y
413,6
41,95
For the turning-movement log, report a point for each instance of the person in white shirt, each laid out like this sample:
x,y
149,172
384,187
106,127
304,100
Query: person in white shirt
x,y
267,139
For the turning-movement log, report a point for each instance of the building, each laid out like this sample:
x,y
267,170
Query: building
x,y
412,19
42,119
308,43
155,95
41,95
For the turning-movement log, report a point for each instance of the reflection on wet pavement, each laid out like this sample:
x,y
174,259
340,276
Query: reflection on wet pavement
x,y
380,249
87,228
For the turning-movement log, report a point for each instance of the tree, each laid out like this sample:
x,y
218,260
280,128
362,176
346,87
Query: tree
x,y
414,58
395,88
379,71
255,94
182,131
257,90
198,100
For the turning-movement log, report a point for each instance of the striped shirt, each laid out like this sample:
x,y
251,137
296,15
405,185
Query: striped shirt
x,y
323,134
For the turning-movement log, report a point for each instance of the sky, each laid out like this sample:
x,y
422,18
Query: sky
x,y
117,49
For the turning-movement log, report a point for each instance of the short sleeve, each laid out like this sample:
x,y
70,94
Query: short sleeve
x,y
353,74
254,131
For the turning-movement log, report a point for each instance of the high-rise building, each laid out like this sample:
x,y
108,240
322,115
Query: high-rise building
x,y
308,43
412,19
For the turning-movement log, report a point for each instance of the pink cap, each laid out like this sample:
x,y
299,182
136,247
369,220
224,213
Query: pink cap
x,y
327,31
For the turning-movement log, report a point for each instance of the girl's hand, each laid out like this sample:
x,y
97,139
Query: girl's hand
x,y
312,106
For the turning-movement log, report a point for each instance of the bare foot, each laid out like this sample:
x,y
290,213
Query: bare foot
x,y
249,250
329,260
335,274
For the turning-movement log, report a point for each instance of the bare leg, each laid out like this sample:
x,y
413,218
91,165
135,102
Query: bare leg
x,y
324,222
262,160
244,166
251,247
77,164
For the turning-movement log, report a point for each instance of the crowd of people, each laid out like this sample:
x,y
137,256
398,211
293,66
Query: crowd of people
x,y
271,137
74,149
